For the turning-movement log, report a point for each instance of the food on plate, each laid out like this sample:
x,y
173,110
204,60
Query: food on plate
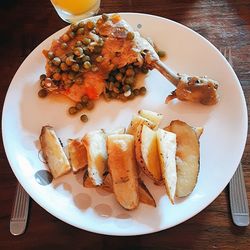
x,y
94,57
147,155
138,121
123,170
152,116
144,194
77,155
167,150
115,131
115,160
95,143
53,153
187,156
103,56
196,89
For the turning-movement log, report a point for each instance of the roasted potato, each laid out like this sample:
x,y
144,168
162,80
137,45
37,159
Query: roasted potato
x,y
147,155
123,170
154,117
167,151
53,152
95,143
144,194
187,156
115,131
77,155
137,121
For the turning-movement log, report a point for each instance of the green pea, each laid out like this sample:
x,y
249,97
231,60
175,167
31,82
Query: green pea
x,y
78,51
87,65
72,110
86,41
75,67
42,77
90,105
142,91
64,66
71,34
94,68
136,92
99,59
126,88
78,44
130,36
79,106
129,80
81,24
42,93
85,99
80,31
161,53
65,37
84,118
56,61
64,45
51,55
73,26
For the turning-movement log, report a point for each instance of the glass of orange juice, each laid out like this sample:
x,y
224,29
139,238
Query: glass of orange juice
x,y
75,10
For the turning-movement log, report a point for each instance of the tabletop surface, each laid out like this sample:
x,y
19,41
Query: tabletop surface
x,y
25,24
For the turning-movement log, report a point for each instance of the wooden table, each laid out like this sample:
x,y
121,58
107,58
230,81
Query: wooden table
x,y
25,24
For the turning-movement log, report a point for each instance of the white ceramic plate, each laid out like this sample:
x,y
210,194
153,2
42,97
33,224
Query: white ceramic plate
x,y
221,145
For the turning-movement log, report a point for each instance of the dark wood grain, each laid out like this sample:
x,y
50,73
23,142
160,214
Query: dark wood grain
x,y
25,24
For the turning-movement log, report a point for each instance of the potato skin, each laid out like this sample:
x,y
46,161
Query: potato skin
x,y
187,156
53,152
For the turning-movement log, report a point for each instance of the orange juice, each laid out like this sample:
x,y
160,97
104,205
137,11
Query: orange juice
x,y
75,10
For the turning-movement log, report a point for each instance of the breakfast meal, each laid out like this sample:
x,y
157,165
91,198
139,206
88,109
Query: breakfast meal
x,y
117,161
102,57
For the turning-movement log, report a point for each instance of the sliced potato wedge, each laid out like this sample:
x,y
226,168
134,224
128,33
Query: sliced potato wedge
x,y
95,143
187,156
122,167
167,150
147,155
115,131
77,155
53,152
144,194
152,116
198,131
137,121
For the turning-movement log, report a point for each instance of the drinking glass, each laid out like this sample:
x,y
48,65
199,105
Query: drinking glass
x,y
72,11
